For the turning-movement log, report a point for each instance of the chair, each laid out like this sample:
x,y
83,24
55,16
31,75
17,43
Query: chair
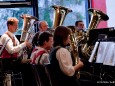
x,y
51,75
40,75
12,79
8,74
57,78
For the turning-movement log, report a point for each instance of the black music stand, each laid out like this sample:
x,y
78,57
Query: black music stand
x,y
100,35
94,34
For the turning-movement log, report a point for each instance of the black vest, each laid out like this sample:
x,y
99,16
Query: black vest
x,y
59,77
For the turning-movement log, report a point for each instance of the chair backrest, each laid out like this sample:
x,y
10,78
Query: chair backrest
x,y
51,75
43,78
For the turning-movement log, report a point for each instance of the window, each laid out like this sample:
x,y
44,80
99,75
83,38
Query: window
x,y
12,0
14,8
13,12
43,9
78,7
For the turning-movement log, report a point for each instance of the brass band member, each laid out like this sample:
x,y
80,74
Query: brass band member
x,y
79,25
62,64
80,30
42,26
13,47
40,54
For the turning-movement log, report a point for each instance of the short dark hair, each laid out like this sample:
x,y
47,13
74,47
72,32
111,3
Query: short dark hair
x,y
44,36
60,35
35,38
76,23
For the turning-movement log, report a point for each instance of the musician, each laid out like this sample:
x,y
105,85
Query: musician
x,y
63,66
40,54
10,54
79,25
43,26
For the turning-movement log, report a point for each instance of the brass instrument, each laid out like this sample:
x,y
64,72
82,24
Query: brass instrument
x,y
60,14
96,18
74,46
28,22
27,32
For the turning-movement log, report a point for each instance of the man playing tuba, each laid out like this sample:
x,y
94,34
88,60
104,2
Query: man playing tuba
x,y
79,25
13,47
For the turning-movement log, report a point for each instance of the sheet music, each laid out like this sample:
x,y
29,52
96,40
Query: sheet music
x,y
93,52
101,53
109,55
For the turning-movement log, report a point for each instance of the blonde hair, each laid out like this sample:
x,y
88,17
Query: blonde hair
x,y
12,20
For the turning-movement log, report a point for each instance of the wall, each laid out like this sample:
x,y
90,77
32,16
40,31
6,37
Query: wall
x,y
107,6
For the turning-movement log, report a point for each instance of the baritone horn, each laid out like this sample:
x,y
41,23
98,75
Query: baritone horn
x,y
59,15
28,22
96,18
27,32
74,47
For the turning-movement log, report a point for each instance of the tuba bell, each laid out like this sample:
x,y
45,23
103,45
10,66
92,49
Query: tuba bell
x,y
59,15
96,18
28,22
27,32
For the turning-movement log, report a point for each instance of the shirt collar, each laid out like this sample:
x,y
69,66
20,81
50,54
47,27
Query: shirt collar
x,y
10,33
40,48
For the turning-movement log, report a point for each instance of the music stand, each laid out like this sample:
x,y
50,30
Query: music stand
x,y
99,35
94,33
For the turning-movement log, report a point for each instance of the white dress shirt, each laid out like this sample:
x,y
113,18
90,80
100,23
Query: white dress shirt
x,y
9,46
44,58
65,62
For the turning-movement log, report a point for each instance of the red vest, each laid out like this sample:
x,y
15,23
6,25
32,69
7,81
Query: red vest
x,y
5,54
36,55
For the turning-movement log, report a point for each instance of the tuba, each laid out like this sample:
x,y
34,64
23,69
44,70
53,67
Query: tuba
x,y
27,32
59,15
96,18
73,46
28,22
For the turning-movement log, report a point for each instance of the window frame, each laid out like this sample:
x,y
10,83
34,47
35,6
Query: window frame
x,y
18,4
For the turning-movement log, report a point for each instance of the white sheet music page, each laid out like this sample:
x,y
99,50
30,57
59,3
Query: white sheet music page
x,y
94,52
109,57
102,50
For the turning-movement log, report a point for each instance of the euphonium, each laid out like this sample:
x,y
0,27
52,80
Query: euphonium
x,y
74,47
27,32
96,17
28,22
59,15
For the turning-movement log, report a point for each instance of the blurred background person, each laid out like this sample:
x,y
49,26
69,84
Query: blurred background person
x,y
43,26
80,29
79,25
